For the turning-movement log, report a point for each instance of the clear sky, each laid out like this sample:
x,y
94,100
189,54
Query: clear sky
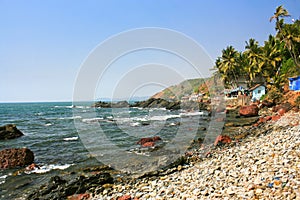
x,y
44,43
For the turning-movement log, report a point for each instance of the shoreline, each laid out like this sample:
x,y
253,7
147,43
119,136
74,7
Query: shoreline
x,y
258,166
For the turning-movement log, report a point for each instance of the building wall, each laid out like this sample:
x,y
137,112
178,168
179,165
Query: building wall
x,y
258,92
295,83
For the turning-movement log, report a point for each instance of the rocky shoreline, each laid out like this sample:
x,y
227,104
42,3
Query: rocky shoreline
x,y
192,176
264,164
227,169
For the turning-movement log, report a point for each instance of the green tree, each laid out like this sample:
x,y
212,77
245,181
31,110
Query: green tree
x,y
228,66
254,55
288,33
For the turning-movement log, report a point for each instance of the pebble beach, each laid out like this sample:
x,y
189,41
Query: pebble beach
x,y
260,166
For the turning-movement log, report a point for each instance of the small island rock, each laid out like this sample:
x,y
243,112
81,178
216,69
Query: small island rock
x,y
9,131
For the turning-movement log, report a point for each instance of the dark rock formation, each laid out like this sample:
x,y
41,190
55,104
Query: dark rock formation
x,y
119,104
10,158
249,111
58,188
154,103
158,103
9,131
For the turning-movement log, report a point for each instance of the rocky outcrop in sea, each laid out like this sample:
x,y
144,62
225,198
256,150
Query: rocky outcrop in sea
x,y
15,157
9,131
155,103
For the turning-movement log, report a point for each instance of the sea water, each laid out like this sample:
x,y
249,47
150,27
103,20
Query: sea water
x,y
53,131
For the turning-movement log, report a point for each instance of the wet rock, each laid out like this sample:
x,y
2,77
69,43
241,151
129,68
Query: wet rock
x,y
101,104
158,103
10,158
9,131
119,104
249,111
59,188
148,144
222,139
142,141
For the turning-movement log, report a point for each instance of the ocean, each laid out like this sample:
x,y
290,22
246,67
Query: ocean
x,y
66,136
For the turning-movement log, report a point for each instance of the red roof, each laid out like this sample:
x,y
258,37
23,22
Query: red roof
x,y
256,86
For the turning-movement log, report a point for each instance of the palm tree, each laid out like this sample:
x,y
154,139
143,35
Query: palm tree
x,y
280,13
290,34
272,54
227,66
254,54
285,33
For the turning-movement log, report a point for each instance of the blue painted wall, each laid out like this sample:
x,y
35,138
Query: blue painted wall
x,y
294,83
258,92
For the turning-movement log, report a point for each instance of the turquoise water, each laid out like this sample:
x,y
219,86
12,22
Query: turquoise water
x,y
58,134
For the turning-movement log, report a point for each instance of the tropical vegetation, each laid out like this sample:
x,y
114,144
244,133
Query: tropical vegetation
x,y
273,62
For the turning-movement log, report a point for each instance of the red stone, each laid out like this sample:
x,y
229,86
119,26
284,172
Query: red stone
x,y
261,120
222,139
249,111
125,197
79,197
268,118
275,117
148,144
31,167
10,158
149,139
256,124
281,111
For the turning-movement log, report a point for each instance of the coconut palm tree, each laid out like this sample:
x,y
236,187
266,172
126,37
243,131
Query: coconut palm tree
x,y
254,54
272,54
280,13
287,33
227,66
290,34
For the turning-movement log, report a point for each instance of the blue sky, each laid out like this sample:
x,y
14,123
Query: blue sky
x,y
44,43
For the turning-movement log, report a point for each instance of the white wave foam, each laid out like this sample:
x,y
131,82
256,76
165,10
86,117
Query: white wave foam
x,y
154,109
92,119
49,124
71,138
64,106
47,168
2,179
186,114
74,117
134,124
163,117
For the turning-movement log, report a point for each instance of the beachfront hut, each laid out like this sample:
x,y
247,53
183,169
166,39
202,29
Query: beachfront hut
x,y
257,92
294,83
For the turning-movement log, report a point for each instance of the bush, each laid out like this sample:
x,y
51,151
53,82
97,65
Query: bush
x,y
297,101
